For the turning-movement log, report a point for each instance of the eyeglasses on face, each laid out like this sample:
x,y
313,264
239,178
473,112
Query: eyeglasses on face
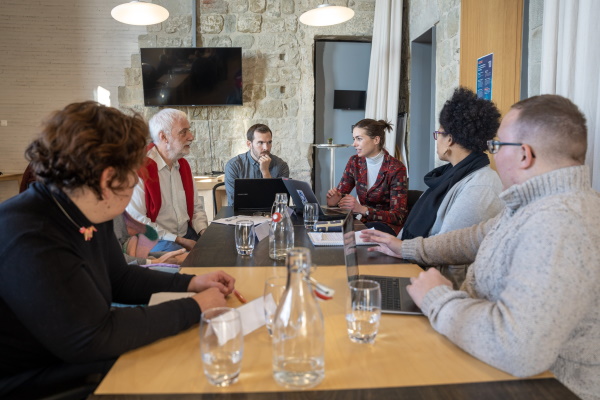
x,y
438,133
494,145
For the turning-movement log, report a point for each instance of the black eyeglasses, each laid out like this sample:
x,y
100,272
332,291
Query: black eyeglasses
x,y
494,145
437,133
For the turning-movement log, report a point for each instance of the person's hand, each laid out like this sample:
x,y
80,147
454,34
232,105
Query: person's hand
x,y
387,244
187,244
172,257
426,281
350,203
210,298
217,279
333,197
264,162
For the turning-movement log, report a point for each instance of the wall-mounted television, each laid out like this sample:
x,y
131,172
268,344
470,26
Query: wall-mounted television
x,y
192,76
349,99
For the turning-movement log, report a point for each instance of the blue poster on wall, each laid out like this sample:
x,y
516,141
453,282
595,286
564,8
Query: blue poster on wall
x,y
484,76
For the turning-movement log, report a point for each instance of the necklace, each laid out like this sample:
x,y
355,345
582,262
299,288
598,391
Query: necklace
x,y
86,232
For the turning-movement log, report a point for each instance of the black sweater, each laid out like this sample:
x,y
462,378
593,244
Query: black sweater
x,y
56,289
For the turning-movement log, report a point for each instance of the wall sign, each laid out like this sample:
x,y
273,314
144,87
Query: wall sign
x,y
484,76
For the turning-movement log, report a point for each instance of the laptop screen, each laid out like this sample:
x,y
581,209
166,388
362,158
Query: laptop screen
x,y
350,255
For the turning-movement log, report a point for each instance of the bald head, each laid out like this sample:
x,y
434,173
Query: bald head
x,y
554,127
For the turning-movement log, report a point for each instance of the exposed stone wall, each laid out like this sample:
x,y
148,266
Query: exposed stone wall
x,y
445,15
534,58
278,69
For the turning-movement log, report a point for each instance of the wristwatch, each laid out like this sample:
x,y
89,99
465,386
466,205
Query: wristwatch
x,y
359,216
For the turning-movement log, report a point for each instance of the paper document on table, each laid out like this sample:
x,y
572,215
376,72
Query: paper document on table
x,y
258,219
262,230
334,239
252,313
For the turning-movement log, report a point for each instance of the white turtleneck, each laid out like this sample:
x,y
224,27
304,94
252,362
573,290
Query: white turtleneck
x,y
373,167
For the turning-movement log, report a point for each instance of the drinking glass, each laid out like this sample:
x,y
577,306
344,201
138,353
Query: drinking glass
x,y
363,310
311,215
221,345
274,288
244,237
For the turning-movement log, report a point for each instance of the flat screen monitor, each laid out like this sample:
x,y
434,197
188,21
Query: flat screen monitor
x,y
349,99
196,76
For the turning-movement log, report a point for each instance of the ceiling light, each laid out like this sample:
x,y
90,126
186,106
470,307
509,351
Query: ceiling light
x,y
139,13
326,14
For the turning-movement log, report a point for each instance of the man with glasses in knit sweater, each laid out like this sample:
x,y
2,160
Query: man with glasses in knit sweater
x,y
530,301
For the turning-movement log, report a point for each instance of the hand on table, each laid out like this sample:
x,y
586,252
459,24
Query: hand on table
x,y
426,281
350,203
224,282
387,244
187,244
210,298
172,257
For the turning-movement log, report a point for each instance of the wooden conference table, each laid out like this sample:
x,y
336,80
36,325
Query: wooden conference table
x,y
409,359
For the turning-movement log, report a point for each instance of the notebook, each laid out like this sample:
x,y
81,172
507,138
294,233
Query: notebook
x,y
394,297
334,239
301,193
256,194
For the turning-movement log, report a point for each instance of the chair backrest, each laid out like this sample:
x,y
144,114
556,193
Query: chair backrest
x,y
216,204
413,196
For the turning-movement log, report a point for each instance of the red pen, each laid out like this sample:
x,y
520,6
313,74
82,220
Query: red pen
x,y
239,296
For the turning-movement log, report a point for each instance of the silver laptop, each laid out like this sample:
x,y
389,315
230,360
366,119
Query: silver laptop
x,y
394,297
302,193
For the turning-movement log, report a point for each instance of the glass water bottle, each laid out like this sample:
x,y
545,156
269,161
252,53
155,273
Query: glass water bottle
x,y
281,231
298,328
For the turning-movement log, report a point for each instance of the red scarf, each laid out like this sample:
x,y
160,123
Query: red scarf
x,y
149,174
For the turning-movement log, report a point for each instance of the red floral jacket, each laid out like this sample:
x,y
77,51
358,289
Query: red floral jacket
x,y
386,200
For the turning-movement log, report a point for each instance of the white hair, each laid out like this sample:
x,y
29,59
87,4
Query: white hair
x,y
163,121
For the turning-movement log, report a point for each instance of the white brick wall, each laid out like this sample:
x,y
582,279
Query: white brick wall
x,y
54,52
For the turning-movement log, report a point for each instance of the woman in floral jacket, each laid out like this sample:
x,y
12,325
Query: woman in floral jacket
x,y
379,178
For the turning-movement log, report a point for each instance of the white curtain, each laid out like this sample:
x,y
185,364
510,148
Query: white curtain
x,y
571,64
384,70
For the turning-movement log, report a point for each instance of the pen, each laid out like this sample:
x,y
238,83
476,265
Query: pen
x,y
239,296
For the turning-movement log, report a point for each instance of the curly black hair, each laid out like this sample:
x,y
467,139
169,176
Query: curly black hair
x,y
470,120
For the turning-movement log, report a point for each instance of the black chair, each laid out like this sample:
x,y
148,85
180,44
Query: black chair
x,y
413,196
214,190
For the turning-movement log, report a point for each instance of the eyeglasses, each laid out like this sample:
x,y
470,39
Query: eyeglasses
x,y
494,145
437,133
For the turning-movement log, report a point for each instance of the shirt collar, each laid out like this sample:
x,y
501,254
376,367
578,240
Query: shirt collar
x,y
153,154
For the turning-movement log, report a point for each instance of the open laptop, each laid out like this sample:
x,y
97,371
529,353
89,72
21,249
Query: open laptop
x,y
256,194
301,193
394,297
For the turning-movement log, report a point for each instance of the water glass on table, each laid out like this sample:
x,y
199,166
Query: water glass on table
x,y
244,237
274,288
363,310
221,345
311,215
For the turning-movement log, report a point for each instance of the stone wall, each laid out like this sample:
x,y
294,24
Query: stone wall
x,y
445,16
534,57
278,81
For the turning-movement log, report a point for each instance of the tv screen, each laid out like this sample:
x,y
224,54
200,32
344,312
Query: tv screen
x,y
349,99
198,76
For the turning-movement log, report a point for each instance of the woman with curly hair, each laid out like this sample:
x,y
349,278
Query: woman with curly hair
x,y
380,180
61,266
465,191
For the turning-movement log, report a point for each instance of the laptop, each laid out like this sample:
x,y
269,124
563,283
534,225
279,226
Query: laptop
x,y
394,297
256,194
302,193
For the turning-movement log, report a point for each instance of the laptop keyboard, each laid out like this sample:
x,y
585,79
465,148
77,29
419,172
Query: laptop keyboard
x,y
390,291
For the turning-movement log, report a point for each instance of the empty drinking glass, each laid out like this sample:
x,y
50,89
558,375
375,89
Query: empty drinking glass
x,y
244,237
221,345
363,310
274,287
311,215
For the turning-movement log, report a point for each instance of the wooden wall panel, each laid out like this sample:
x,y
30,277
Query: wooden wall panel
x,y
492,26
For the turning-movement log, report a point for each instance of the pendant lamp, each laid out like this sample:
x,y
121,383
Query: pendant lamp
x,y
326,14
139,13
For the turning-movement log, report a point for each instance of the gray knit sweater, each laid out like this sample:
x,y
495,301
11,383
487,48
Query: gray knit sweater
x,y
531,299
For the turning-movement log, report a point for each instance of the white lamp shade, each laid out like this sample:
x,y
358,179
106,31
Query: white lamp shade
x,y
139,13
326,14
